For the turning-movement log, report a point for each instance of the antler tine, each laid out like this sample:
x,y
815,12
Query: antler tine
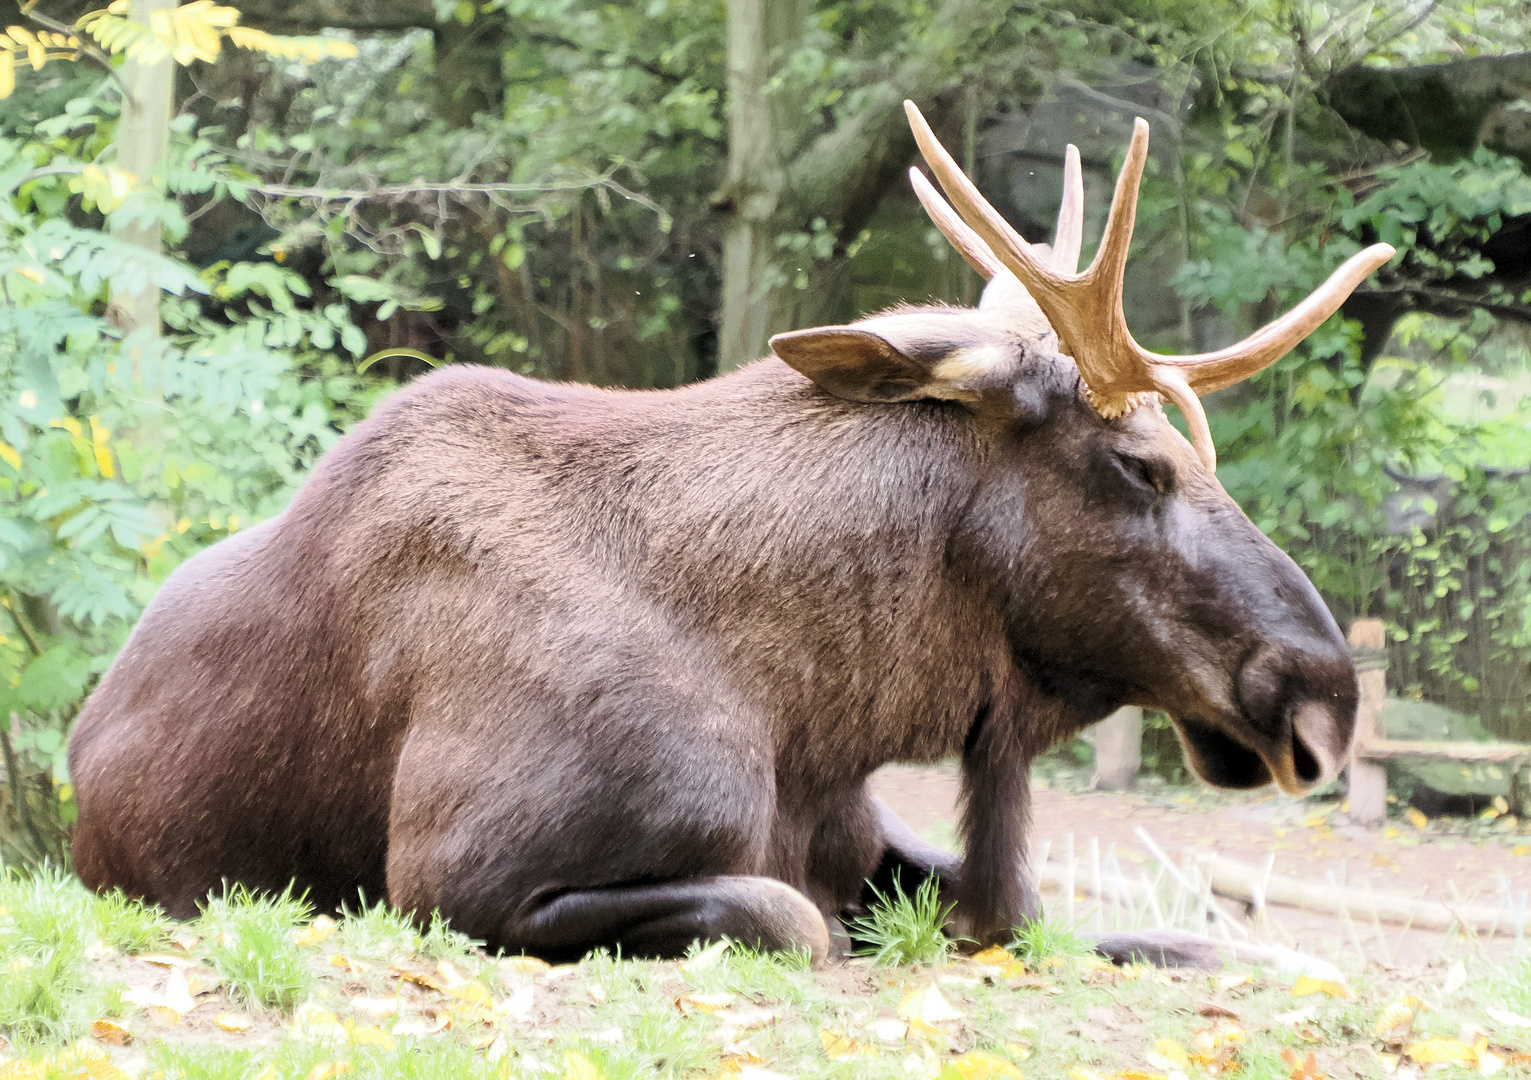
x,y
1110,263
1068,234
1007,244
1211,371
968,243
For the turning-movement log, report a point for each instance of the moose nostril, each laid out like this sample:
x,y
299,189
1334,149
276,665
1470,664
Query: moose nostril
x,y
1304,763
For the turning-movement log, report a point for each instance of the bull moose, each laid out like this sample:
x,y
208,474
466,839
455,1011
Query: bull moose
x,y
586,668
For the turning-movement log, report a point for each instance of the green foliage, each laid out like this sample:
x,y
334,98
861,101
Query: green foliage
x,y
904,929
1040,940
253,946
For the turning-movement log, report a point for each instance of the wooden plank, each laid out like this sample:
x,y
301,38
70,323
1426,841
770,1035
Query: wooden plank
x,y
1368,780
1383,749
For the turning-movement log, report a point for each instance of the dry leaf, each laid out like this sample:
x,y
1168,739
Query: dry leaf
x,y
1210,1009
110,1031
233,1021
321,928
926,1005
1489,1063
1307,984
377,1008
328,1070
523,966
994,956
368,1036
976,1065
1302,1069
888,1031
577,1066
707,958
746,1017
704,1003
164,1016
1434,1051
427,1024
347,964
518,1006
1398,1014
838,1046
1417,819
1228,982
165,961
429,982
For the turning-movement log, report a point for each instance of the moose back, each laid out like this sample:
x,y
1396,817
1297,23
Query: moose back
x,y
586,668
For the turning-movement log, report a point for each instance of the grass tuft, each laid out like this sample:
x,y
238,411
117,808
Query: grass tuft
x,y
904,929
1043,939
251,942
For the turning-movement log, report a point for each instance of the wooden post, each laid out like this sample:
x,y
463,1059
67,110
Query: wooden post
x,y
1368,780
1118,743
143,137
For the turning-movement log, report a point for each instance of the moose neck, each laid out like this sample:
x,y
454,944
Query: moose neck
x,y
858,627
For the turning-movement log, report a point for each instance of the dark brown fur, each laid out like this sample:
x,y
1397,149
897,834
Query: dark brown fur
x,y
581,667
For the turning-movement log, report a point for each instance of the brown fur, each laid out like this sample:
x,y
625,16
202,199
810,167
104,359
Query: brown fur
x,y
582,667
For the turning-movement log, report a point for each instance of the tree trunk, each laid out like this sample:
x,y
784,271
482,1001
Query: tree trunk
x,y
143,136
756,177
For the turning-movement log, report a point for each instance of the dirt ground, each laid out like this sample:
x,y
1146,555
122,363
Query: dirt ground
x,y
1448,861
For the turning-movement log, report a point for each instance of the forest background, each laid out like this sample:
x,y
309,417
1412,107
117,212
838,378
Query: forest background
x,y
639,194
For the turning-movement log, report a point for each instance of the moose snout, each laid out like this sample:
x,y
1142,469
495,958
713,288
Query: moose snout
x,y
1299,705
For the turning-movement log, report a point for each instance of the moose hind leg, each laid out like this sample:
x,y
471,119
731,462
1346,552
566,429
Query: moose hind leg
x,y
662,920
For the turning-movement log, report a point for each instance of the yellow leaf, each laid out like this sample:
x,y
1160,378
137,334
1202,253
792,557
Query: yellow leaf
x,y
7,73
706,1003
164,1016
68,423
112,1032
1434,1051
838,1046
1417,819
926,1005
994,955
577,1066
1397,1014
1307,984
523,965
368,1036
705,959
321,928
8,452
233,1021
1172,1052
327,1070
976,1065
1520,849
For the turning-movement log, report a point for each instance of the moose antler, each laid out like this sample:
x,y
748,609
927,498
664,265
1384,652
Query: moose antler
x,y
1086,309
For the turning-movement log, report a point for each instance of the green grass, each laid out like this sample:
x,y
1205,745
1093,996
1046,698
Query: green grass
x,y
904,929
631,1020
252,945
1041,940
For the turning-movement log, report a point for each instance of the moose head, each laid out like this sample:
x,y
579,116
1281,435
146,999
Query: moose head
x,y
1139,581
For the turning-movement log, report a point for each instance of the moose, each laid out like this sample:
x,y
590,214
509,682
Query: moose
x,y
585,668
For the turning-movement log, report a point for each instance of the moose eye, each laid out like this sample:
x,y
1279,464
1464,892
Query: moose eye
x,y
1143,474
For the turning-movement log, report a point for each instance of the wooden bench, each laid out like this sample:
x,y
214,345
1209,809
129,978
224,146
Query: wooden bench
x,y
1368,778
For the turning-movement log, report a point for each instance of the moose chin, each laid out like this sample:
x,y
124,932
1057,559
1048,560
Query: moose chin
x,y
583,668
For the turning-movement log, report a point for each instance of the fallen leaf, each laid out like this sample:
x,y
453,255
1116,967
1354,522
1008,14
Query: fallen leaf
x,y
1228,982
1020,1050
429,982
1489,1063
1212,1009
347,964
1456,978
577,1066
927,1005
1297,1016
165,961
321,928
523,966
425,1024
840,1047
1505,1016
377,1008
994,956
233,1021
368,1036
450,976
746,1017
1307,984
327,1070
707,958
1397,1014
888,1031
704,1003
80,1060
1168,1054
1417,819
1434,1051
164,1016
1302,1069
109,1031
976,1065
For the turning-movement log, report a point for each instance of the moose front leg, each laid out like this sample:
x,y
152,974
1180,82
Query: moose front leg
x,y
994,890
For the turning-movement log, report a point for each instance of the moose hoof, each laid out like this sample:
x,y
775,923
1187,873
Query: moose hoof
x,y
777,917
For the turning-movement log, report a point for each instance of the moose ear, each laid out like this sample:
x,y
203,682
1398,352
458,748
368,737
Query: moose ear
x,y
854,364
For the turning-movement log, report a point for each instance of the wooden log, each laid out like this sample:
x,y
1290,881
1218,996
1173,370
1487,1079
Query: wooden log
x,y
1383,749
1237,881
